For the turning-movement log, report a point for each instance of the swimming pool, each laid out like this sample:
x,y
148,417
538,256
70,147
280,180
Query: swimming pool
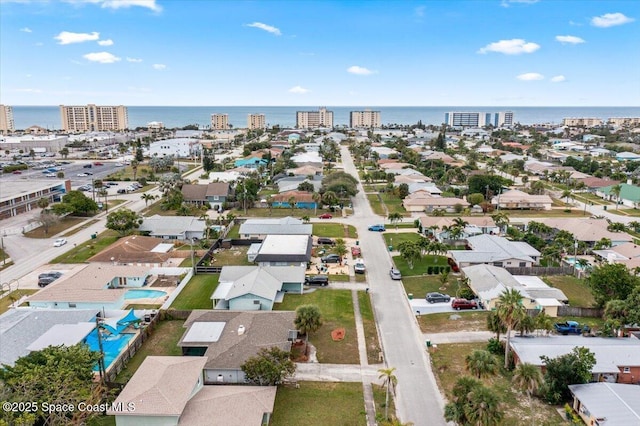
x,y
143,294
112,346
571,261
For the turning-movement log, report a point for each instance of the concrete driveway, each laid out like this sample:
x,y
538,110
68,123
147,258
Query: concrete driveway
x,y
420,306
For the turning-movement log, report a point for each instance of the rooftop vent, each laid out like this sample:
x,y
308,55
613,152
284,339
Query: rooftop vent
x,y
241,330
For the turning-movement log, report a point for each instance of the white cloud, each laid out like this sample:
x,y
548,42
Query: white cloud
x,y
108,42
101,57
506,3
265,27
558,78
569,39
530,76
26,30
515,46
360,70
299,90
159,66
610,20
118,4
66,37
136,60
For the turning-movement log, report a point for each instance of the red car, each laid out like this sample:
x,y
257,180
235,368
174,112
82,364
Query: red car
x,y
458,304
17,172
98,164
355,251
325,216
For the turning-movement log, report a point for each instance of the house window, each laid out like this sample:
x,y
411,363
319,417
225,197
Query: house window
x,y
626,369
523,264
72,305
498,264
216,198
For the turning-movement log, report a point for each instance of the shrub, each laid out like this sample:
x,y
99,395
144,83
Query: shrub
x,y
142,181
495,346
467,293
429,270
127,179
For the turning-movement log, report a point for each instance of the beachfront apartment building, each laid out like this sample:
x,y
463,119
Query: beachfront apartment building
x,y
7,125
478,119
624,121
582,121
93,118
256,121
219,121
312,119
366,118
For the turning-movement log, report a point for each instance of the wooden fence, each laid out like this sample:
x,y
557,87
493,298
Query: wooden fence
x,y
571,311
541,270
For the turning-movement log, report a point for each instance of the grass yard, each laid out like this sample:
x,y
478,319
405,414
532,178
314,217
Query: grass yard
x,y
625,212
591,198
393,204
594,323
142,306
236,255
343,278
442,322
402,225
319,404
62,225
156,209
376,205
380,399
449,366
336,307
419,286
87,249
361,278
234,232
420,267
369,324
197,293
163,341
575,289
396,238
560,212
15,295
334,230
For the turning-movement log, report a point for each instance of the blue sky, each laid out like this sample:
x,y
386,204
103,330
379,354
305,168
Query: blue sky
x,y
366,53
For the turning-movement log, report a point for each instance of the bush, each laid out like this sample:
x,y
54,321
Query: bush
x,y
9,169
429,270
467,293
142,181
495,346
127,179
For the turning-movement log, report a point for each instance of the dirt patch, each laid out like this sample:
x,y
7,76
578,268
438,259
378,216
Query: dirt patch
x,y
338,334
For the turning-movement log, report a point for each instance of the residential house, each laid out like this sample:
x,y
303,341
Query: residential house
x,y
617,359
429,188
600,152
489,282
438,155
384,152
606,403
213,195
308,159
627,156
251,162
301,200
438,226
179,148
255,288
593,183
395,167
497,251
227,339
135,250
586,229
411,178
96,286
515,199
421,201
285,250
184,228
305,171
291,183
627,254
629,195
259,228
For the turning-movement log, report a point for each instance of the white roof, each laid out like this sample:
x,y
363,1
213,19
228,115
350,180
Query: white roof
x,y
548,302
62,334
204,332
289,244
616,403
162,248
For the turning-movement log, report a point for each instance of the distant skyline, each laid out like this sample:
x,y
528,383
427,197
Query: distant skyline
x,y
339,53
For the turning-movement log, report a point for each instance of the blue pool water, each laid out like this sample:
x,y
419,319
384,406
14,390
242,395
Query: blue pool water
x,y
143,294
571,260
112,345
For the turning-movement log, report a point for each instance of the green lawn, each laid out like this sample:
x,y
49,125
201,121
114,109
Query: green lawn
x,y
419,286
336,307
560,212
319,404
394,239
575,289
12,297
62,225
380,398
393,203
376,205
419,267
87,249
369,324
234,232
80,228
341,278
625,212
197,293
449,365
275,212
163,341
334,230
442,322
156,209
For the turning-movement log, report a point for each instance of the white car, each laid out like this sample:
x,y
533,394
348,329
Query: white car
x,y
60,242
82,175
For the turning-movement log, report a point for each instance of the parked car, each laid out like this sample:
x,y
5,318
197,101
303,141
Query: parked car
x,y
377,228
321,280
458,304
60,242
359,267
17,172
571,327
395,274
53,274
325,240
437,297
97,163
45,281
325,216
121,191
355,251
82,175
87,166
331,258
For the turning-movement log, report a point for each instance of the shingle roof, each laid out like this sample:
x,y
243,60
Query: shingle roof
x,y
171,225
491,248
162,385
132,249
263,281
284,226
586,229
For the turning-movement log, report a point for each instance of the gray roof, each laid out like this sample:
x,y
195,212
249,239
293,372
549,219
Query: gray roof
x,y
171,225
262,329
615,403
264,281
285,248
19,328
490,248
283,226
609,352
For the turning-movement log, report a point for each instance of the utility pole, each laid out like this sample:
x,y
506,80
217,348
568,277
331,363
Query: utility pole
x,y
101,359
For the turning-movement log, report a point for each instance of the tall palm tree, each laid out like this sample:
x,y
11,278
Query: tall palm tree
x,y
501,219
481,363
483,408
317,199
292,203
389,380
395,217
510,311
147,197
566,194
308,319
616,189
543,322
528,378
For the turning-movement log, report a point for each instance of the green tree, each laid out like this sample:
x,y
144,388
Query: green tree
x,y
308,319
569,369
134,168
510,311
54,375
390,380
475,199
528,377
495,324
48,219
43,203
77,203
611,281
329,198
501,219
64,152
341,248
616,189
481,363
403,190
123,221
394,218
410,252
147,197
269,368
306,186
473,404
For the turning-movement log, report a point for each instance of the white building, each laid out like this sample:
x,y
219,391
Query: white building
x,y
504,118
312,119
582,121
219,121
40,144
7,125
91,118
256,121
179,148
366,118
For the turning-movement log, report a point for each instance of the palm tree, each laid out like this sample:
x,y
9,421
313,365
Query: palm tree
x,y
635,225
483,408
341,248
270,204
566,194
43,203
460,222
292,203
410,252
501,219
495,325
147,197
528,378
308,319
543,322
481,363
317,199
395,217
616,189
134,168
510,311
389,380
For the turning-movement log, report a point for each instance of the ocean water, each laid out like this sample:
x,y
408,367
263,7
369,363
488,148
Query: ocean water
x,y
171,116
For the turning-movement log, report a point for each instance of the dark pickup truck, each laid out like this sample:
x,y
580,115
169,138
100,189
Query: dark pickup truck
x,y
571,327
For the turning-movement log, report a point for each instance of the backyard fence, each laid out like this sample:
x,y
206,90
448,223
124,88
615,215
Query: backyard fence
x,y
571,311
541,270
178,289
182,314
